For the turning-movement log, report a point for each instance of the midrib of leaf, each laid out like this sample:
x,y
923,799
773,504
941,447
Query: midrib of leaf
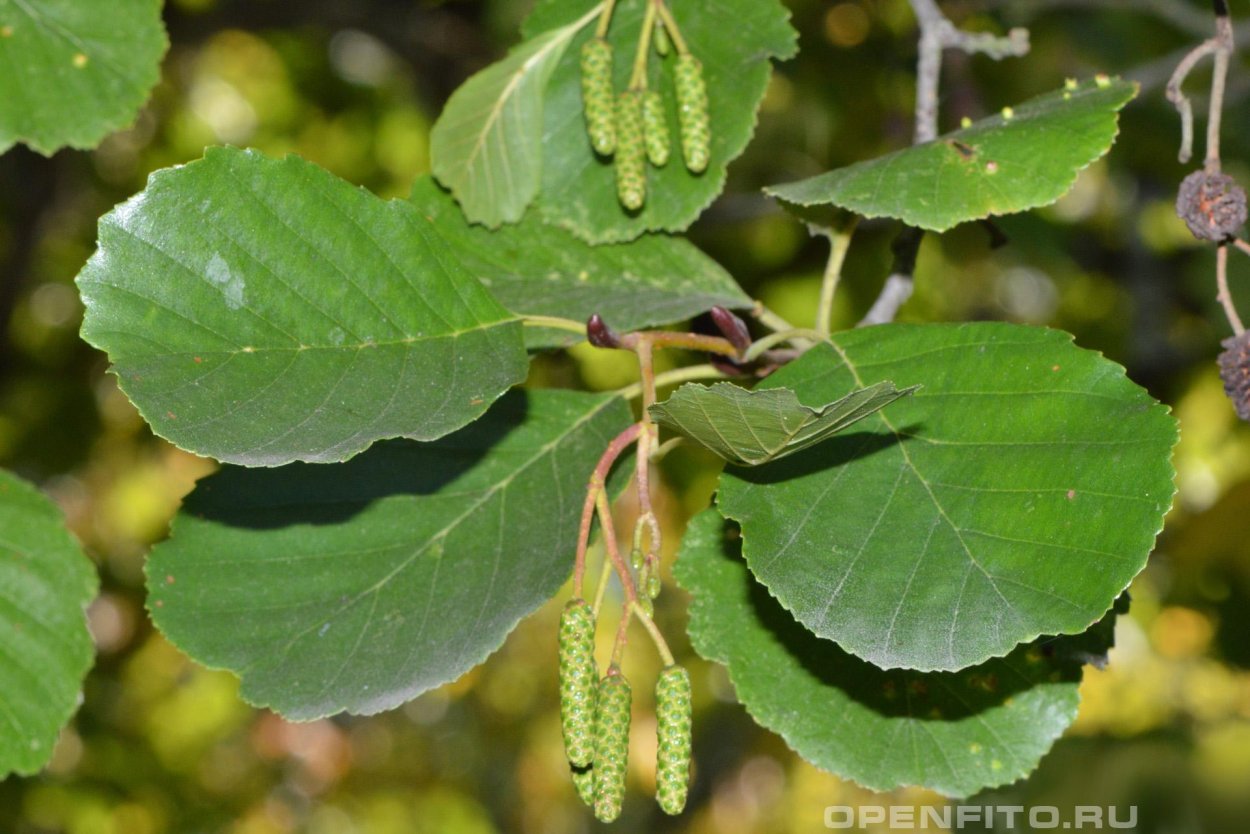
x,y
902,447
437,538
496,111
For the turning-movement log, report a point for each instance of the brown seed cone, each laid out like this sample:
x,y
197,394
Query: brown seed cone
x,y
1235,371
1213,206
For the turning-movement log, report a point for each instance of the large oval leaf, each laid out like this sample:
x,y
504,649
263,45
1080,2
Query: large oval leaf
x,y
263,311
487,146
735,40
540,270
1024,157
1015,494
45,648
953,732
75,70
359,586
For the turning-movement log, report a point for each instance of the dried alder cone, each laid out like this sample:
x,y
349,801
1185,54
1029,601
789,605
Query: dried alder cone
x,y
1212,205
1235,371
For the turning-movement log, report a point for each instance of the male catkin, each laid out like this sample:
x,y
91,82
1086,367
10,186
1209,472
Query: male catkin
x,y
672,758
584,782
577,681
631,156
611,744
692,114
656,128
597,98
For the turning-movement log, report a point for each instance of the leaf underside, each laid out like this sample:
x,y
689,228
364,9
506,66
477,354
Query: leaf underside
x,y
753,427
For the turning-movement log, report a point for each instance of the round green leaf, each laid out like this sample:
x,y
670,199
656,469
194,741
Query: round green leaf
x,y
262,311
539,270
1017,493
735,40
953,732
1019,159
359,586
45,648
75,70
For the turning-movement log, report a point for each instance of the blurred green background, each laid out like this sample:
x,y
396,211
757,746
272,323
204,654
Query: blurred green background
x,y
162,745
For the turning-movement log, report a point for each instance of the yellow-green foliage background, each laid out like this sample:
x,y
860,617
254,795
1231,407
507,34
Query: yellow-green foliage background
x,y
162,745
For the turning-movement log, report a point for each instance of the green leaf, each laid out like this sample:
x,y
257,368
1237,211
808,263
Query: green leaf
x,y
361,585
953,732
753,427
997,166
263,311
487,146
535,269
735,40
75,70
1016,494
45,648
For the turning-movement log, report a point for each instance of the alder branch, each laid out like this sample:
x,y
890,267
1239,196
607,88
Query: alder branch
x,y
1221,46
937,34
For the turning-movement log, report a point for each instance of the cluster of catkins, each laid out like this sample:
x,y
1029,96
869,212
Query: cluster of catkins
x,y
594,714
631,127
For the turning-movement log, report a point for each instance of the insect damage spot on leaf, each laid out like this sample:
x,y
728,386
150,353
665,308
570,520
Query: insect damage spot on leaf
x,y
964,150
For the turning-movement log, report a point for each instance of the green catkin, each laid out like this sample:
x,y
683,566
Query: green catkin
x,y
635,558
584,782
653,586
655,127
611,744
631,155
672,758
692,112
662,42
577,681
597,98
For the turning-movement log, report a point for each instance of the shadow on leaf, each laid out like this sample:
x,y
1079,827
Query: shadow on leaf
x,y
331,493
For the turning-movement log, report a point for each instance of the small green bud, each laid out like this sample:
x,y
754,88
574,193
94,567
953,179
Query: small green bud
x,y
662,41
577,681
597,98
672,761
635,558
655,127
611,744
631,155
653,586
692,112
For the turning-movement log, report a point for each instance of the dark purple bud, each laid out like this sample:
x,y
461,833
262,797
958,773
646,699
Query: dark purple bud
x,y
599,334
733,328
